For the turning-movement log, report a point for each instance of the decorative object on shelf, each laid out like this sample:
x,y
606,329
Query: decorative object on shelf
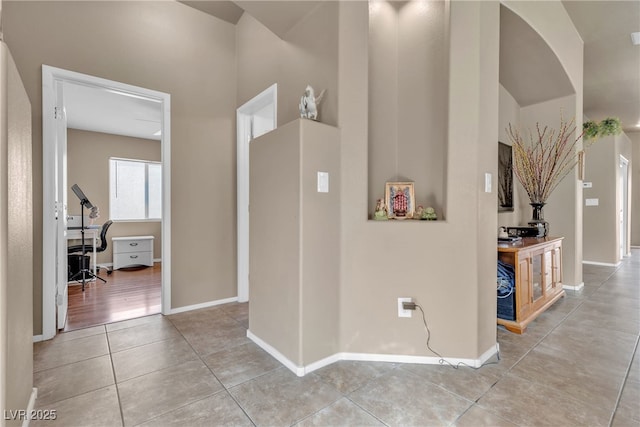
x,y
429,214
607,127
400,199
505,177
502,233
309,103
419,212
542,162
381,211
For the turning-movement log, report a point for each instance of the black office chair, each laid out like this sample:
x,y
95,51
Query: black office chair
x,y
89,248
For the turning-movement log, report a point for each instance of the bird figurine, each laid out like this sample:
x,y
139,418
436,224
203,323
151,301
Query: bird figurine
x,y
309,103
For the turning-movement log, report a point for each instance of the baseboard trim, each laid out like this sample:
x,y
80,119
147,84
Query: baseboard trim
x,y
31,406
38,338
202,305
577,287
604,264
299,371
369,357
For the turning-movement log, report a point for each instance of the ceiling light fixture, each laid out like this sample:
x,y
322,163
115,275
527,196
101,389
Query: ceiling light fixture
x,y
635,38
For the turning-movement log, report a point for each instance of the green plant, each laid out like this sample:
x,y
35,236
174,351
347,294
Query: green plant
x,y
610,126
590,129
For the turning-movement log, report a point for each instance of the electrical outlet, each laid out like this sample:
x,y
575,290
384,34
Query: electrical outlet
x,y
401,311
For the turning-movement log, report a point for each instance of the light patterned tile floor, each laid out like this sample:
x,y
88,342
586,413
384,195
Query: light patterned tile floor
x,y
578,364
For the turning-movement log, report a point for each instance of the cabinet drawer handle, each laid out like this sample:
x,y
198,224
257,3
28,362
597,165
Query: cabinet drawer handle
x,y
133,256
133,244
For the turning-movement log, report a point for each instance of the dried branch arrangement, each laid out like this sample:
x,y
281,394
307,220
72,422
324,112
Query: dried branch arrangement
x,y
542,161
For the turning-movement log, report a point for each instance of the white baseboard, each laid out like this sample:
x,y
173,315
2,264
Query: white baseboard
x,y
604,264
368,357
202,305
38,338
577,287
31,406
299,371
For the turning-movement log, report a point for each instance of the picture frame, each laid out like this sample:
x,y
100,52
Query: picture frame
x,y
581,165
505,177
400,200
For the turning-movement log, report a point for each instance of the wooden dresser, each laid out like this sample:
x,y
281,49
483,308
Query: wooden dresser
x,y
538,277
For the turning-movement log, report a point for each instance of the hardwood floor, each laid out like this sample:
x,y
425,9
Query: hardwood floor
x,y
126,295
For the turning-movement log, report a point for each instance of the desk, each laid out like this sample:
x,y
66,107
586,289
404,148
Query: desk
x,y
91,236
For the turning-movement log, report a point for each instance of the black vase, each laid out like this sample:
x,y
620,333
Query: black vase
x,y
537,219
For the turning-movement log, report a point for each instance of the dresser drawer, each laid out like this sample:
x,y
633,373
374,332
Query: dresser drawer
x,y
132,244
130,259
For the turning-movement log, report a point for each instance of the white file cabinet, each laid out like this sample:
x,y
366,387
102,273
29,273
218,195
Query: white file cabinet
x,y
132,251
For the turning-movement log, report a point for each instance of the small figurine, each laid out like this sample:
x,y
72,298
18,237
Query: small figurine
x,y
381,211
429,214
309,104
419,212
502,233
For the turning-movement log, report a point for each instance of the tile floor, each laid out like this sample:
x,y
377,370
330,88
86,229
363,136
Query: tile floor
x,y
577,365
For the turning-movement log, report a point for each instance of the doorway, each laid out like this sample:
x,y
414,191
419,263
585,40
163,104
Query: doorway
x,y
56,84
254,118
624,206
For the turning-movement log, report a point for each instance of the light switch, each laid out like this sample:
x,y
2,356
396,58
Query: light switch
x,y
323,182
487,182
587,184
592,202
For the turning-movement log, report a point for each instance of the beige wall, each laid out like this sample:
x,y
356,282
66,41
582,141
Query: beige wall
x,y
295,241
447,266
169,47
564,207
510,114
88,156
635,188
16,242
601,223
408,74
306,55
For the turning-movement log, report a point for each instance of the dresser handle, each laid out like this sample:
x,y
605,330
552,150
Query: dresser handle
x,y
133,256
133,244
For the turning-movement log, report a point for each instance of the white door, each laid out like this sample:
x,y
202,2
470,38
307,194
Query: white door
x,y
256,117
624,205
62,288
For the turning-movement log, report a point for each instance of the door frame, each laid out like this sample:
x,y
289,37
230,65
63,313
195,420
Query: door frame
x,y
51,75
624,207
244,135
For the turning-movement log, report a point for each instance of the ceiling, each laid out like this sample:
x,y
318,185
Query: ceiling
x,y
611,64
107,111
529,70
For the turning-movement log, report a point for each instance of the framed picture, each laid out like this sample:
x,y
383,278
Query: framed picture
x,y
400,199
505,177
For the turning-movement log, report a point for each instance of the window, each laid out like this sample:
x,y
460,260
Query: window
x,y
135,190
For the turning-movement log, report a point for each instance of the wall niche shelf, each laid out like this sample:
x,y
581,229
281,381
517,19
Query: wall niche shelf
x,y
408,99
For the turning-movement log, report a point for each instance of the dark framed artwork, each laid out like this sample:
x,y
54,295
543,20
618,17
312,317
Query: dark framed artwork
x,y
505,177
